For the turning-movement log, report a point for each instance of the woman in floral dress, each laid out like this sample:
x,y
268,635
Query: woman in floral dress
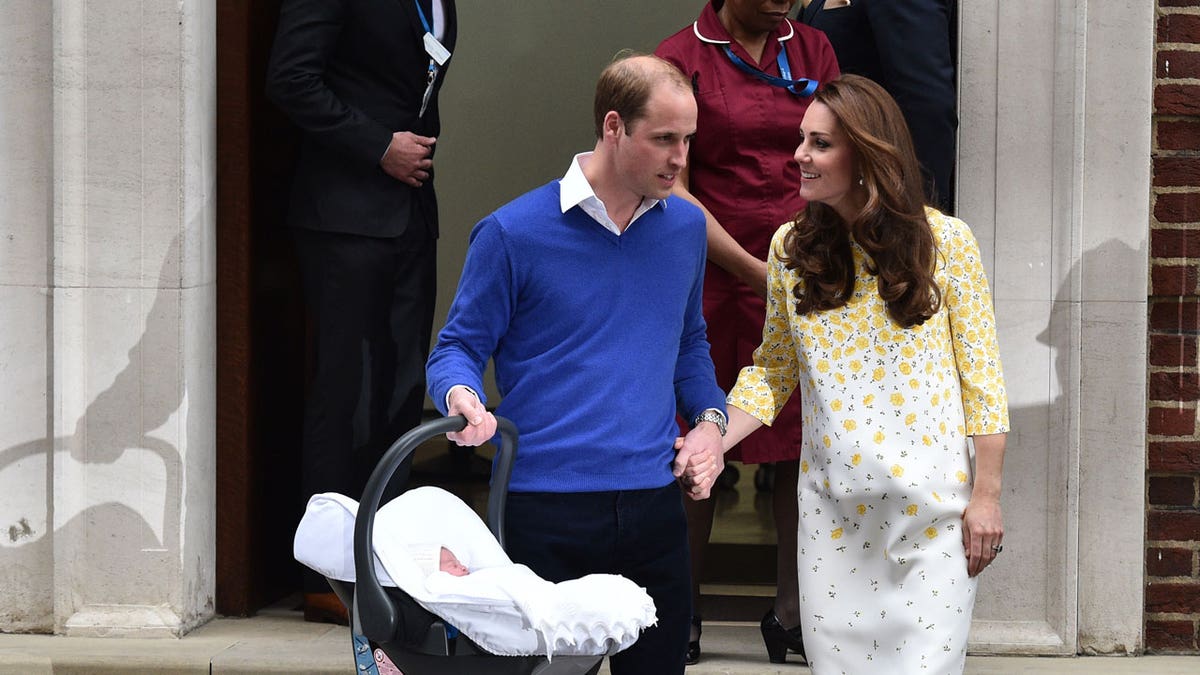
x,y
879,312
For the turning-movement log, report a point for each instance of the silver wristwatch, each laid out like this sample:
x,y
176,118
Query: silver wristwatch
x,y
711,415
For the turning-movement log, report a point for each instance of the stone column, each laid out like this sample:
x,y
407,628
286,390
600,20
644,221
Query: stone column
x,y
1053,178
113,524
26,175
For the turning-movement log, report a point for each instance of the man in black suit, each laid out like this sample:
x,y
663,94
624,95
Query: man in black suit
x,y
908,47
361,79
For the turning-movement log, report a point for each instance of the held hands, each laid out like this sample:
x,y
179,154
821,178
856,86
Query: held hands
x,y
699,459
983,532
409,158
481,424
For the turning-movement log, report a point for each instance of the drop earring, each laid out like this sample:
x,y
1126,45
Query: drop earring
x,y
860,181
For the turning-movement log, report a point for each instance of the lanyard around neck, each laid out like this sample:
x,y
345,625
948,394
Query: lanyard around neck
x,y
424,21
803,87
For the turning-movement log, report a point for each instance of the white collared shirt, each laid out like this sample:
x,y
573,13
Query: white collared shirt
x,y
438,20
575,190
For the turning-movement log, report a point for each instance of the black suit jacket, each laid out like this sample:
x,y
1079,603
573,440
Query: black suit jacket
x,y
907,46
349,73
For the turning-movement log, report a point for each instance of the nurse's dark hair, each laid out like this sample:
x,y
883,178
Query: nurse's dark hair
x,y
891,227
626,84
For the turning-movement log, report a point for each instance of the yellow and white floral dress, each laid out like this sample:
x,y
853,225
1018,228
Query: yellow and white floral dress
x,y
885,466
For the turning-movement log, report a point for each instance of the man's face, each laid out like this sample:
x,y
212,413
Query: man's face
x,y
652,150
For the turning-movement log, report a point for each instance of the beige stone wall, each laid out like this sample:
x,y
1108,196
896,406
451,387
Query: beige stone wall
x,y
1053,173
26,189
106,452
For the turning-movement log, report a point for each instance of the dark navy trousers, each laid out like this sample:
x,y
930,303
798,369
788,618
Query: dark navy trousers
x,y
640,534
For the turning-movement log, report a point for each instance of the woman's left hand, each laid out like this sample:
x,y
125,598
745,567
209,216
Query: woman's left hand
x,y
983,532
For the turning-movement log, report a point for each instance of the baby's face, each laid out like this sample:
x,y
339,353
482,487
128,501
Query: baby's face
x,y
450,564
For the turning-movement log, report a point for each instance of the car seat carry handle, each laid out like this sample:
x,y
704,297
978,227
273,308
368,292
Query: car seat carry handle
x,y
374,611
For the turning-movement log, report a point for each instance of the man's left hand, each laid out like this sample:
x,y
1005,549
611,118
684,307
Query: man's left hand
x,y
699,460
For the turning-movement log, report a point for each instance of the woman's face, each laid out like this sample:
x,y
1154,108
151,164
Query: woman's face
x,y
827,166
757,16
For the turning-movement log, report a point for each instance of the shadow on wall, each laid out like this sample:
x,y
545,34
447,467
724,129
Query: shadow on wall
x,y
113,488
1042,342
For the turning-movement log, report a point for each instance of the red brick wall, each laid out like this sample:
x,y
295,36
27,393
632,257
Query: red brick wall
x,y
1173,476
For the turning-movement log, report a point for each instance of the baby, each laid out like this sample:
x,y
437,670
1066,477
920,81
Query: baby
x,y
450,564
425,555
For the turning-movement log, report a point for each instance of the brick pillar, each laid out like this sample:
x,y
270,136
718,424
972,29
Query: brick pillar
x,y
1173,465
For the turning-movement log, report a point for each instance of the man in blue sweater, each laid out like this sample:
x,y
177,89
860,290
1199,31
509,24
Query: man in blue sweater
x,y
586,292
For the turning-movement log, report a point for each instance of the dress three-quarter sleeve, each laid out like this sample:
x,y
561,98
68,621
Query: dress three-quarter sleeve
x,y
763,387
968,302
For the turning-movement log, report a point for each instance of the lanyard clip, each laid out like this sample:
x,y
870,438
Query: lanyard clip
x,y
429,82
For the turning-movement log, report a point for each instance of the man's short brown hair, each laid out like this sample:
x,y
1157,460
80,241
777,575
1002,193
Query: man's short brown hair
x,y
625,86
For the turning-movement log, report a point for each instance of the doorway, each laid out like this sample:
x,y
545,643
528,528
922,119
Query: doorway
x,y
260,374
260,378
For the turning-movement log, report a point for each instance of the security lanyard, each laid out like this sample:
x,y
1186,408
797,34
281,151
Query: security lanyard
x,y
438,55
803,87
424,21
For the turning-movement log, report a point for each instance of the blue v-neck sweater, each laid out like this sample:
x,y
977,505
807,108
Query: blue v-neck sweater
x,y
598,339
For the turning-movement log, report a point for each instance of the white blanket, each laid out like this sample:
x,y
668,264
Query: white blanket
x,y
505,608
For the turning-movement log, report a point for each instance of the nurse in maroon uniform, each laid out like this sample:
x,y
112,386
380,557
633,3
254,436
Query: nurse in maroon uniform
x,y
753,71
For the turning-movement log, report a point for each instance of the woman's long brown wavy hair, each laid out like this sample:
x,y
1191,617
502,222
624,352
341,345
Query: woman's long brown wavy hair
x,y
891,227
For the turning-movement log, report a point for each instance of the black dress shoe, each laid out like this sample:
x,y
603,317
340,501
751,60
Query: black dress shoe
x,y
780,640
693,650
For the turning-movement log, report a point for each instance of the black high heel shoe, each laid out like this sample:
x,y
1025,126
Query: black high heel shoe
x,y
693,650
779,639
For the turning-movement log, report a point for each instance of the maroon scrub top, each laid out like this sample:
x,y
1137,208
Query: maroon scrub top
x,y
741,168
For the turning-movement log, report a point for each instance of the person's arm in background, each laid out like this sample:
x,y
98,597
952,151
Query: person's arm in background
x,y
307,34
723,249
913,41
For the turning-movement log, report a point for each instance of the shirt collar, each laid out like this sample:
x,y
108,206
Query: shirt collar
x,y
708,28
575,190
574,187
